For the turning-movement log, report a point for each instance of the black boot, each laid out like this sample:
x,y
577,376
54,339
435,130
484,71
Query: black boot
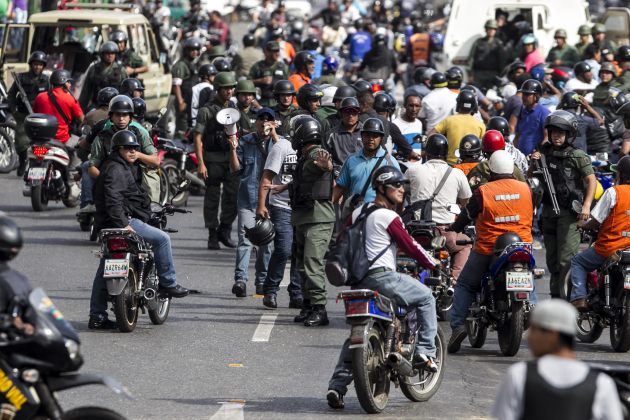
x,y
224,236
213,239
305,312
317,317
22,163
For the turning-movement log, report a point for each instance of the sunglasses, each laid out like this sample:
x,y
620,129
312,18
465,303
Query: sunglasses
x,y
350,112
395,185
130,147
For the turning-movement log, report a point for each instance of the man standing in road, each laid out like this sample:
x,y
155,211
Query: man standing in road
x,y
184,78
245,95
245,59
487,57
266,72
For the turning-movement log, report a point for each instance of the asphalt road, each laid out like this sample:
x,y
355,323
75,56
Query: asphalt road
x,y
202,363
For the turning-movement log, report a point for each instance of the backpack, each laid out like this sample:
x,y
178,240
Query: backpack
x,y
347,263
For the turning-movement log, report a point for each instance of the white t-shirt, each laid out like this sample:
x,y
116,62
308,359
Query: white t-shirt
x,y
424,180
406,127
437,105
194,103
560,373
602,209
377,238
576,84
282,161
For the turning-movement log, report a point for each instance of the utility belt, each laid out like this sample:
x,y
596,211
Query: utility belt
x,y
378,270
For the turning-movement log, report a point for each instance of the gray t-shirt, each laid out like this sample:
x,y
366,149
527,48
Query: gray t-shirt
x,y
282,161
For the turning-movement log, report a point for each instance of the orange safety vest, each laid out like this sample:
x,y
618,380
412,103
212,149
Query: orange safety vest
x,y
615,231
298,80
507,207
466,167
419,44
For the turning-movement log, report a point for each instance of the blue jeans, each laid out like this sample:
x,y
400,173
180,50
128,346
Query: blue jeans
x,y
160,244
582,264
282,251
406,292
247,219
87,182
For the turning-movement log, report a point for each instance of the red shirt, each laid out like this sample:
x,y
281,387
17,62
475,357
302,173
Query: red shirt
x,y
67,103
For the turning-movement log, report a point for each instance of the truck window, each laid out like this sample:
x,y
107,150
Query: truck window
x,y
71,47
616,22
16,45
139,39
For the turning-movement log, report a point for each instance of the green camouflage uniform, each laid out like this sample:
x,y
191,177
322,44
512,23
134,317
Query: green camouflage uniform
x,y
100,76
278,70
32,85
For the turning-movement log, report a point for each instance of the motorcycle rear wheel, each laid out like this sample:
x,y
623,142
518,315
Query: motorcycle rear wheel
x,y
371,375
565,287
477,334
422,387
126,304
588,330
620,326
8,155
91,413
159,315
511,332
39,198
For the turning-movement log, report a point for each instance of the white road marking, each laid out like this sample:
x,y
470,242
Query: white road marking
x,y
287,275
229,411
265,325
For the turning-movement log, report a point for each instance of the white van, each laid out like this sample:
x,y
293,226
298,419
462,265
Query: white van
x,y
467,17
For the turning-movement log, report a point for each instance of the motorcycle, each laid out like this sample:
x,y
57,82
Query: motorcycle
x,y
130,272
439,280
178,162
503,302
84,217
8,155
35,367
382,341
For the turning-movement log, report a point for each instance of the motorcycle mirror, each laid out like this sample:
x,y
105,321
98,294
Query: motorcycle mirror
x,y
162,112
181,189
86,130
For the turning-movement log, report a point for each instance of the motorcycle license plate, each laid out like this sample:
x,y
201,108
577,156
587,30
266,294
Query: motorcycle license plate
x,y
626,281
116,268
519,281
36,174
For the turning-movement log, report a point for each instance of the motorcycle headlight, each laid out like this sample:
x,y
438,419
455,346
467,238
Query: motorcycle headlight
x,y
73,348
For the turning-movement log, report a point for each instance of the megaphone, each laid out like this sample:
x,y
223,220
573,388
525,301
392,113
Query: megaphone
x,y
228,118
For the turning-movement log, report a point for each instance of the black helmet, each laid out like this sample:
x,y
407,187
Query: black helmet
x,y
466,101
455,77
109,47
283,87
121,104
310,43
437,146
262,233
618,102
38,56
124,138
622,168
562,120
570,100
139,108
40,126
118,36
192,44
249,40
470,146
386,175
384,102
105,95
60,77
500,124
304,129
207,70
301,59
532,86
505,240
623,53
438,80
380,39
580,68
308,93
422,74
362,86
350,102
373,125
221,64
129,85
343,92
10,238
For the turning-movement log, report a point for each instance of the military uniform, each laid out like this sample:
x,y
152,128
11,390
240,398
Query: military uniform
x,y
245,60
624,81
32,85
278,70
99,76
487,59
247,122
601,93
284,118
184,75
129,58
313,218
567,54
480,174
568,168
579,48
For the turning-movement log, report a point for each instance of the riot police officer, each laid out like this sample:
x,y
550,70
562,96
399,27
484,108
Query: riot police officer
x,y
105,73
570,170
245,95
184,78
487,56
283,93
33,82
13,285
313,215
134,64
265,72
213,153
132,87
309,99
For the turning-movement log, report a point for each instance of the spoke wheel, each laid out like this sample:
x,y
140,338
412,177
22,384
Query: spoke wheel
x,y
371,375
423,386
477,333
126,304
159,315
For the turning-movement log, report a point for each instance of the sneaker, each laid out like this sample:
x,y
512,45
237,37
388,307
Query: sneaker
x,y
335,399
455,342
423,362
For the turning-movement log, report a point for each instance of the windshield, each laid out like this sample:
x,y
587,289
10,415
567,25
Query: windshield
x,y
51,322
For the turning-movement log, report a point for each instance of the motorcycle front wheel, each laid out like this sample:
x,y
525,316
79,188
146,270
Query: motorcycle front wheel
x,y
620,325
91,413
39,198
422,387
126,304
158,316
8,155
477,333
510,332
172,179
371,375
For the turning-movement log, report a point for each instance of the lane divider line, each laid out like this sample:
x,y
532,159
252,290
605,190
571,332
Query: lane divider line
x,y
230,411
265,325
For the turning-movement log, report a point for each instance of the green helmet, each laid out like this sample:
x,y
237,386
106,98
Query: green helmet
x,y
584,30
216,51
560,33
245,86
491,24
224,79
598,28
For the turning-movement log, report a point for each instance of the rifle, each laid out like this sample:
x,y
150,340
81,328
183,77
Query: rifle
x,y
23,95
542,166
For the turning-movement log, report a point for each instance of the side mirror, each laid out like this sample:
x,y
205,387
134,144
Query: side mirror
x,y
162,112
181,189
86,130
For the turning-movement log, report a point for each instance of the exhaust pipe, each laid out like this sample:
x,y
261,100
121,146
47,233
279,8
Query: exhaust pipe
x,y
450,292
149,294
195,180
400,364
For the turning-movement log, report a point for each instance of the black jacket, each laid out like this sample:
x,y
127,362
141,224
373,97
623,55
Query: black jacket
x,y
118,195
14,286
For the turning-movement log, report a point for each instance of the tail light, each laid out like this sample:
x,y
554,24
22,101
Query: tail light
x,y
522,295
376,88
357,307
520,256
117,244
39,151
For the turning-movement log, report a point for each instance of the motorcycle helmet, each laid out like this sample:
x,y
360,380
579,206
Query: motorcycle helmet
x,y
580,68
371,125
492,141
623,54
10,238
129,85
249,40
436,41
618,102
362,86
311,43
350,103
609,67
454,77
60,77
222,65
422,74
532,86
538,73
380,39
499,124
124,138
118,36
501,163
121,104
109,47
302,59
438,80
39,56
562,120
224,80
207,70
344,92
192,44
384,102
387,175
331,64
303,130
470,147
437,146
105,95
139,108
570,100
283,87
262,233
528,39
40,126
622,168
245,86
306,94
466,101
505,240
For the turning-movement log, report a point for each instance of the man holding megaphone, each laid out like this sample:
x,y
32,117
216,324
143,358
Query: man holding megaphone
x,y
216,125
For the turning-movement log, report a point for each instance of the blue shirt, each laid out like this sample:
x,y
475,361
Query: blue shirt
x,y
360,44
531,128
252,162
356,171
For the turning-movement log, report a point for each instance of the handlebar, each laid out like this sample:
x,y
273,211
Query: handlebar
x,y
178,210
463,242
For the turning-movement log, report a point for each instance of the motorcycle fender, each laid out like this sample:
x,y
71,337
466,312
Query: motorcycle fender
x,y
115,286
359,333
74,380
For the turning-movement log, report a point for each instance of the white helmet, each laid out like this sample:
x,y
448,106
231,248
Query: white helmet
x,y
329,94
555,315
501,163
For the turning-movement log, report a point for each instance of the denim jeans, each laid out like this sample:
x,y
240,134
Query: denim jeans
x,y
247,219
282,251
160,244
582,264
87,182
406,292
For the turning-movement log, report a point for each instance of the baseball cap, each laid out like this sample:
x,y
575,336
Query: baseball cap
x,y
266,111
555,315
